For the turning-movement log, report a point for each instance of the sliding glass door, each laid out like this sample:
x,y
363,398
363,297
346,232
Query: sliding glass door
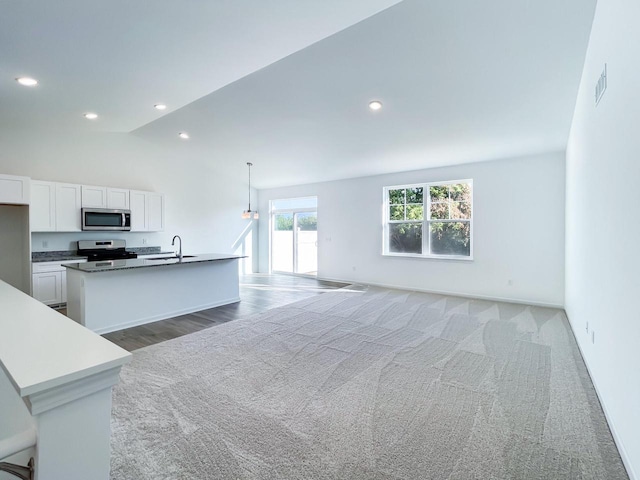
x,y
305,251
282,243
294,236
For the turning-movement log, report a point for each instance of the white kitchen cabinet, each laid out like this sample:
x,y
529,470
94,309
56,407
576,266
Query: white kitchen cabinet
x,y
63,288
156,212
147,211
50,281
42,211
47,287
14,190
55,207
117,198
94,197
68,206
104,197
139,206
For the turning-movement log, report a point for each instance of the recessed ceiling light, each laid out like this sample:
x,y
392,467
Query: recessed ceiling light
x,y
90,116
375,105
160,106
27,81
183,135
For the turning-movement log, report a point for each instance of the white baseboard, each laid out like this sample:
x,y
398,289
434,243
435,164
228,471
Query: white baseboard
x,y
612,427
164,316
451,294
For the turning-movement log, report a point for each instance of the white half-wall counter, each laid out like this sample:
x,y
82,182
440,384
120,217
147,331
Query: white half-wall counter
x,y
63,373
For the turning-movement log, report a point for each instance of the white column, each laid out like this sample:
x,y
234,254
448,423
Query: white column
x,y
64,374
73,424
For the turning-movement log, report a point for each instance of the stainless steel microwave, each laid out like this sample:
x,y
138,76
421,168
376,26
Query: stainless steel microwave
x,y
105,219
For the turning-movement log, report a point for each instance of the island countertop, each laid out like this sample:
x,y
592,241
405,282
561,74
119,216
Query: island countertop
x,y
126,264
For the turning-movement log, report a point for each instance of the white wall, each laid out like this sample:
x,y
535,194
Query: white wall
x,y
14,238
518,231
202,206
603,225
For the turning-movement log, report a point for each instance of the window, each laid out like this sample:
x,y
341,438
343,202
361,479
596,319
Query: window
x,y
429,220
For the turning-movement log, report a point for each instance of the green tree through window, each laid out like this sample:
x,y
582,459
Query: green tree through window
x,y
448,219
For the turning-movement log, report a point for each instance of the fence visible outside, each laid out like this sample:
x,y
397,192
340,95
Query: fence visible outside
x,y
282,259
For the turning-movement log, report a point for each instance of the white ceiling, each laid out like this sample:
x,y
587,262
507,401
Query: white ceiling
x,y
461,81
120,57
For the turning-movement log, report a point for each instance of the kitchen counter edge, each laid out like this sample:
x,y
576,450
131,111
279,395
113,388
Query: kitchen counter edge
x,y
133,263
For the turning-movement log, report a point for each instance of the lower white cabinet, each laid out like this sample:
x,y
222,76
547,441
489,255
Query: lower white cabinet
x,y
50,282
47,287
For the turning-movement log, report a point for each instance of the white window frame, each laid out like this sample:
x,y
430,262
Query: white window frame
x,y
426,199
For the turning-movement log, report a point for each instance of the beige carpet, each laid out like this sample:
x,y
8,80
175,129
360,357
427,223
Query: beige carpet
x,y
375,384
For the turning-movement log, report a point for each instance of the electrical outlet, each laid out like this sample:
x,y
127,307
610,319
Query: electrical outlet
x,y
510,282
144,241
45,244
593,337
354,268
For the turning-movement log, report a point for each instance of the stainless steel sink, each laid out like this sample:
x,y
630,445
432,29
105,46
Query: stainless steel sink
x,y
172,257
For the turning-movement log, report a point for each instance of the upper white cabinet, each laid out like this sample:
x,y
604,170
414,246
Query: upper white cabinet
x,y
147,211
68,205
14,190
156,212
55,207
117,198
42,211
138,204
105,197
94,197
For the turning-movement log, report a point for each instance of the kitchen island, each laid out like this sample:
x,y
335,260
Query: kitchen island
x,y
112,295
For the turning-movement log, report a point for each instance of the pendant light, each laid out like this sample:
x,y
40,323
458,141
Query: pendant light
x,y
249,213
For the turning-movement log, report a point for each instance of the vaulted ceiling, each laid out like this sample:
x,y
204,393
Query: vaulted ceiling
x,y
286,84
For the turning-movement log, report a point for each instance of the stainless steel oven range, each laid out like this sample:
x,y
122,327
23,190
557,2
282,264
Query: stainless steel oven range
x,y
103,250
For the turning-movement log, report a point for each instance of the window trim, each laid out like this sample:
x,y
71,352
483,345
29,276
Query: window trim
x,y
386,221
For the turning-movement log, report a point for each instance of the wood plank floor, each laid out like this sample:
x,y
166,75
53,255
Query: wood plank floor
x,y
258,293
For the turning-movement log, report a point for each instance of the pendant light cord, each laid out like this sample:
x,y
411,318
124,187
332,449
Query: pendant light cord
x,y
249,164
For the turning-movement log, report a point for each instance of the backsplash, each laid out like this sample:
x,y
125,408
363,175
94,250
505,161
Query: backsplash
x,y
52,241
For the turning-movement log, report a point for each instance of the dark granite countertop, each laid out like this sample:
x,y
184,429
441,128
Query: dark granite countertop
x,y
112,265
147,250
56,256
152,253
66,255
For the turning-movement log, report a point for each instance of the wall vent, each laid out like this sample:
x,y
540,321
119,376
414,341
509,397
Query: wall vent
x,y
601,86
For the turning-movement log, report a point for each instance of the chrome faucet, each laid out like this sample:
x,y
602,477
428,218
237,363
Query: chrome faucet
x,y
173,242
